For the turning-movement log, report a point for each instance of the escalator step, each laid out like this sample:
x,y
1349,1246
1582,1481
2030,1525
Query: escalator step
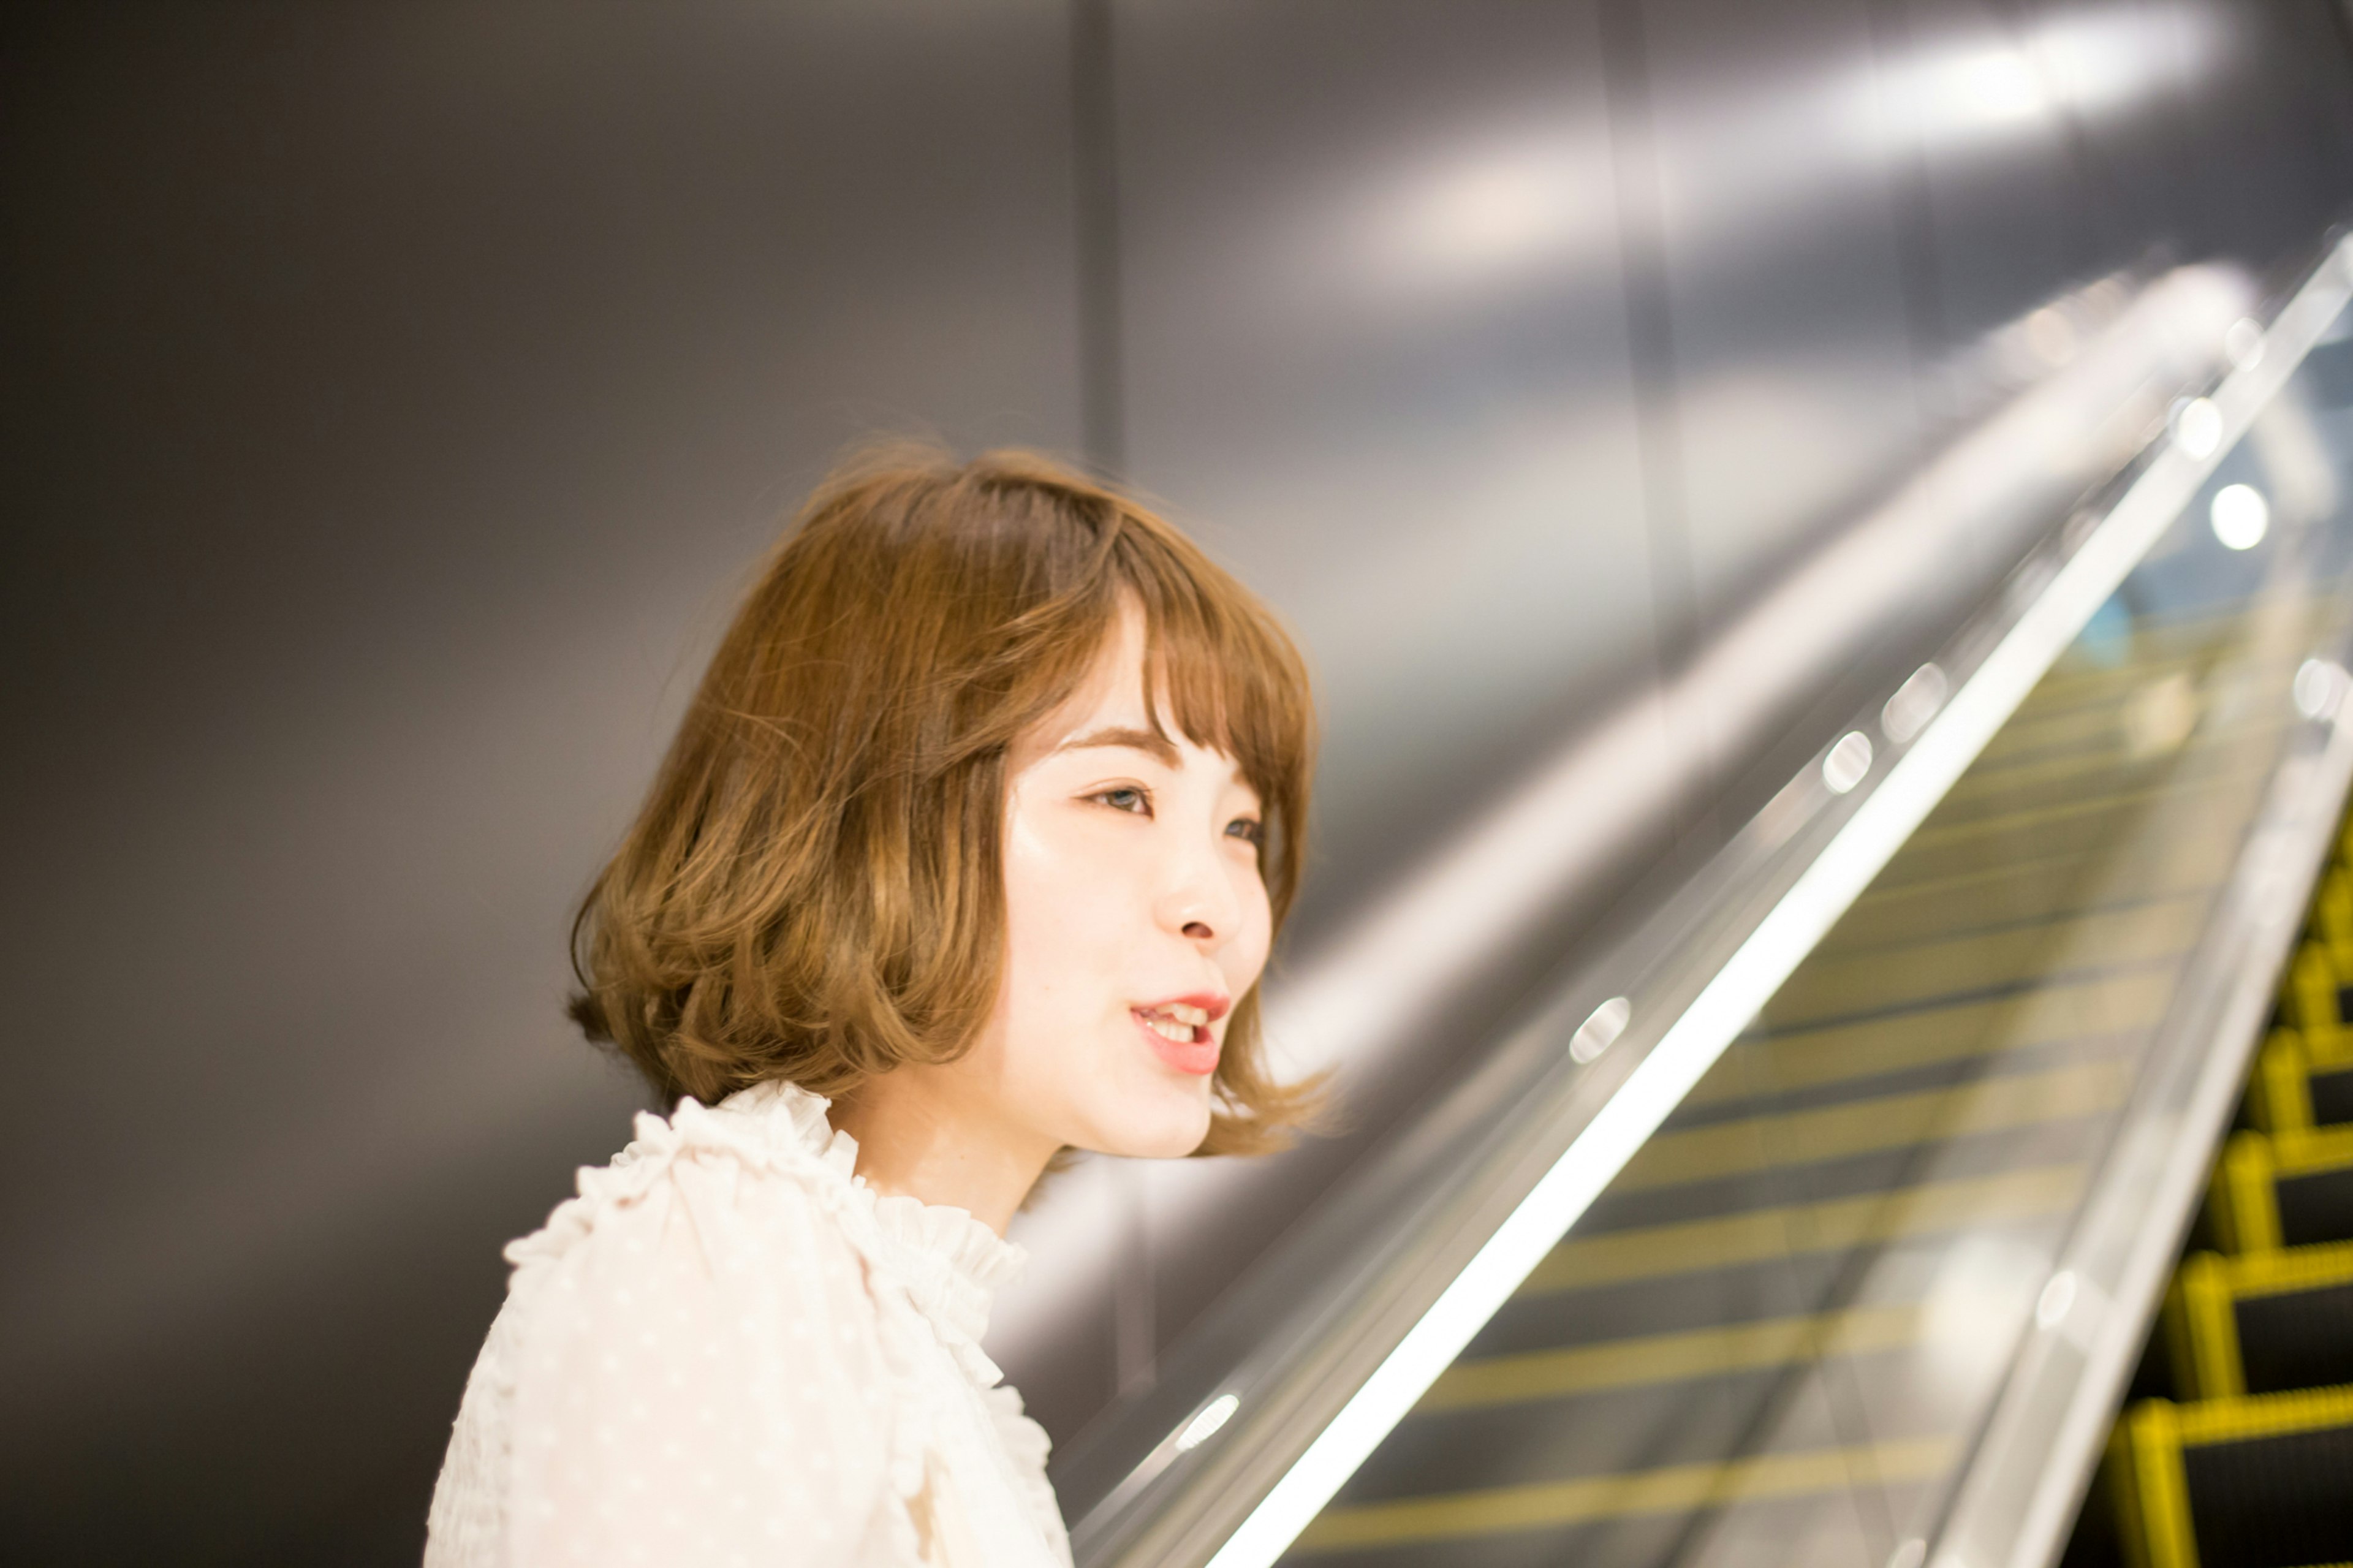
x,y
2332,913
2262,1323
2293,1188
2297,1338
2314,998
2279,1091
2315,1206
2253,1482
2272,1502
2332,1097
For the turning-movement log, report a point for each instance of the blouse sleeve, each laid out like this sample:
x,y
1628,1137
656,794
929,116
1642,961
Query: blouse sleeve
x,y
702,1381
1026,1446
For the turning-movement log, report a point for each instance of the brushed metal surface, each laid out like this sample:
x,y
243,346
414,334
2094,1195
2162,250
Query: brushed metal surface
x,y
396,397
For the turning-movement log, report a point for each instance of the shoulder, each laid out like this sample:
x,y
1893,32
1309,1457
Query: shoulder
x,y
729,1193
699,1367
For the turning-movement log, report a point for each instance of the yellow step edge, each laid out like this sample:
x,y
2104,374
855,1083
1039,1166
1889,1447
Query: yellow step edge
x,y
2311,1150
2242,1202
1761,1234
2150,1482
2279,1094
2309,998
2332,916
2202,1330
2200,1320
2151,1487
1677,1488
2206,1422
1653,1359
2252,1276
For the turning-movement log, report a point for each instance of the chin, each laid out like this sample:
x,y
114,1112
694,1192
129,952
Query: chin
x,y
1168,1131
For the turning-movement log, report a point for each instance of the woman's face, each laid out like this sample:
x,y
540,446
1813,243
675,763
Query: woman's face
x,y
1135,917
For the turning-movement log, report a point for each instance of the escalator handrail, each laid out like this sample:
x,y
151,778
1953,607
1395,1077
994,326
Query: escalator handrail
x,y
1247,1468
2016,1498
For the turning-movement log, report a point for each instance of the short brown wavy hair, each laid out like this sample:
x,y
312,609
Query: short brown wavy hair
x,y
814,890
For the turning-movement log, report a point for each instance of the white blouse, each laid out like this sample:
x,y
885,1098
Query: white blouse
x,y
728,1349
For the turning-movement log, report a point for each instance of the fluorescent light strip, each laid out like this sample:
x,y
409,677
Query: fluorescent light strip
x,y
1855,855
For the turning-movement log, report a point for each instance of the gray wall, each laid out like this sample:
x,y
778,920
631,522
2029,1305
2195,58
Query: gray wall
x,y
395,395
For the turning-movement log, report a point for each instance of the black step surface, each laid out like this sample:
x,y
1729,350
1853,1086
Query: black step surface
x,y
2332,1097
2317,1207
2299,1339
2273,1502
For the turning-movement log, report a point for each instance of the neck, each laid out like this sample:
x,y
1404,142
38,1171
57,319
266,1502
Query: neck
x,y
919,1136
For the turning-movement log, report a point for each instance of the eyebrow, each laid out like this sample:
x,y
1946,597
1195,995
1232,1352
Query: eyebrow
x,y
1160,748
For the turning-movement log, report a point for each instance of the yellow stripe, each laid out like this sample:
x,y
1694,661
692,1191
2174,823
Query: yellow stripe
x,y
2099,689
2112,1003
1654,1251
1676,1488
1668,1358
1891,1121
2036,887
2312,1150
1828,988
2071,767
2027,833
2067,813
2249,1416
2109,744
2288,1270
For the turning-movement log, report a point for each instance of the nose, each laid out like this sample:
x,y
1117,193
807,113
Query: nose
x,y
1199,900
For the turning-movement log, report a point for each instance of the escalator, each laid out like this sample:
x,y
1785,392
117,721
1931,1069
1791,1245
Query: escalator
x,y
1820,1256
2238,1450
1834,1236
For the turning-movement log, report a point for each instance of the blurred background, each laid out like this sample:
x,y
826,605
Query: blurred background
x,y
395,397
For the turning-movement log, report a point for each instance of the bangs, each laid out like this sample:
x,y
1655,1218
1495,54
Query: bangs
x,y
1231,676
1227,686
1233,681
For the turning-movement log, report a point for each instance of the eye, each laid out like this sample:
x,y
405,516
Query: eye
x,y
1132,798
1248,829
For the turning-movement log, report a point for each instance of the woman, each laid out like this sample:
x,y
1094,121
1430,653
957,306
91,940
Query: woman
x,y
970,850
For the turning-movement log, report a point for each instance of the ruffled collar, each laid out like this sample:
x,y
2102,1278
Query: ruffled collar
x,y
951,1264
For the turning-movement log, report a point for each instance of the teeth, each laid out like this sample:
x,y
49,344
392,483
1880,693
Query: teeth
x,y
1176,1021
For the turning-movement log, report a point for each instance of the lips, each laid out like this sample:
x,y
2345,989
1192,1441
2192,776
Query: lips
x,y
1177,1030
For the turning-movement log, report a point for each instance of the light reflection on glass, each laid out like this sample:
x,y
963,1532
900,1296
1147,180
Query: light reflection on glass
x,y
1847,763
2319,687
2244,343
1915,703
2240,516
1594,1035
1204,1426
2197,427
1983,1287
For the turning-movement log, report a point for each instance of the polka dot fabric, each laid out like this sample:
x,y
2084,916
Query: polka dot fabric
x,y
728,1350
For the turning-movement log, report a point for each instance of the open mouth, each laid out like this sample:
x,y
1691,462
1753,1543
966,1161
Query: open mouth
x,y
1178,1032
1176,1021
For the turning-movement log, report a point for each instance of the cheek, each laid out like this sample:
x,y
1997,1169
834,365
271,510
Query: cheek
x,y
1062,925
